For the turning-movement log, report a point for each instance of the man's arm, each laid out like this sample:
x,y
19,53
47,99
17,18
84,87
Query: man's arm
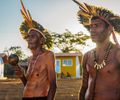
x,y
21,74
25,71
24,80
51,76
84,80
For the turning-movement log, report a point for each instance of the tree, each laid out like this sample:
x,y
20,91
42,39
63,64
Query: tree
x,y
9,69
16,50
68,42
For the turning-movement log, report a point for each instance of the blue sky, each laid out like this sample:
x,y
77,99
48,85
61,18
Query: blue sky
x,y
54,15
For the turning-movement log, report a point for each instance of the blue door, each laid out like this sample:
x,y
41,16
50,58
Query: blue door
x,y
58,66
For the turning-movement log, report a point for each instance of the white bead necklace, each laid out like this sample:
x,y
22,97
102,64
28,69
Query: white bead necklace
x,y
103,64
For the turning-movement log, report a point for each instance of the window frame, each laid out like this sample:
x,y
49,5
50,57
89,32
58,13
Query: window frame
x,y
67,65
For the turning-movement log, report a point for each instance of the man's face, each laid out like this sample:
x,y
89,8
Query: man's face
x,y
33,39
98,30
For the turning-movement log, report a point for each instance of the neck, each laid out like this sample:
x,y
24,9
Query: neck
x,y
37,51
102,46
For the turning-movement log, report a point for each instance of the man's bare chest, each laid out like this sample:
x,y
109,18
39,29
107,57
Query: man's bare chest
x,y
112,66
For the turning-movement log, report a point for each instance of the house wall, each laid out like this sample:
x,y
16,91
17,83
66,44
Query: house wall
x,y
70,69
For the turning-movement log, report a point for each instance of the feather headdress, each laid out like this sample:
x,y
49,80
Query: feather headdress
x,y
86,12
29,23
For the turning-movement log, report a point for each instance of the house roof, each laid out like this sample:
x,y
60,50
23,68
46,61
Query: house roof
x,y
68,54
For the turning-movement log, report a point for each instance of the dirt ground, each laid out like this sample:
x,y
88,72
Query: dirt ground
x,y
11,89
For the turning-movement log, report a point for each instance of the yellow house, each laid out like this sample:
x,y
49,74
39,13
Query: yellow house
x,y
68,65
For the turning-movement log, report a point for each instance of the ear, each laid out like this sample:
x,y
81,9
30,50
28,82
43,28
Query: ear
x,y
42,41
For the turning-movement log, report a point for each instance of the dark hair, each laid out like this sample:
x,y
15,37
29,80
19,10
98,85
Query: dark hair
x,y
13,59
96,17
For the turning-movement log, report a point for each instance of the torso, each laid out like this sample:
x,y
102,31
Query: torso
x,y
37,78
106,85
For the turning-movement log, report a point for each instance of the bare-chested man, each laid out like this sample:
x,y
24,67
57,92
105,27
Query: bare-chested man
x,y
101,66
40,78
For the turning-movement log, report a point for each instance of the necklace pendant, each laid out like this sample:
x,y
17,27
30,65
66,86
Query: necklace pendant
x,y
99,66
95,66
104,63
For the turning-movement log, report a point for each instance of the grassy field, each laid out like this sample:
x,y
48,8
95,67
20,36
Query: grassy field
x,y
11,89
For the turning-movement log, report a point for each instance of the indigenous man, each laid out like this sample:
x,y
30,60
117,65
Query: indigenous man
x,y
101,66
40,78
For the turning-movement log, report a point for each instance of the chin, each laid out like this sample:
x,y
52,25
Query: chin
x,y
31,47
93,40
96,41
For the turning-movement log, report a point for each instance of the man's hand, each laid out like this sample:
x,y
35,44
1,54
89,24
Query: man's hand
x,y
19,72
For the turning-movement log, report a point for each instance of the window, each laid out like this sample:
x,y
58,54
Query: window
x,y
67,62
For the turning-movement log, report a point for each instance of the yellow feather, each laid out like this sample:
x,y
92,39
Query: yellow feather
x,y
23,7
81,6
30,17
84,14
26,19
26,15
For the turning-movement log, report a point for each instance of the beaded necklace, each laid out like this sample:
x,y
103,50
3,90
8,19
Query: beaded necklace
x,y
103,64
32,66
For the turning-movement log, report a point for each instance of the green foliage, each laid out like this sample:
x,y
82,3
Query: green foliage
x,y
49,40
68,41
16,50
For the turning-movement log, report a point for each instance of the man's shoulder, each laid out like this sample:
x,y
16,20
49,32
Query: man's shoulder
x,y
116,53
116,49
88,53
48,52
